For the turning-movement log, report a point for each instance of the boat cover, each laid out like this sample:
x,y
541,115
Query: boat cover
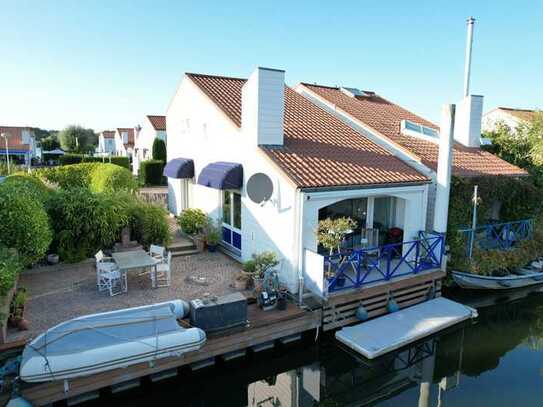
x,y
99,342
392,331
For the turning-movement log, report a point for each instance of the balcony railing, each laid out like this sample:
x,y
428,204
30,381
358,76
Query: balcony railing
x,y
501,236
359,267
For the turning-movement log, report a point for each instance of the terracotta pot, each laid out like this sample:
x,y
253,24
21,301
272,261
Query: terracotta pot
x,y
240,284
199,242
23,324
257,284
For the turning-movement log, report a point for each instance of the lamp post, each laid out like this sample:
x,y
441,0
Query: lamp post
x,y
5,136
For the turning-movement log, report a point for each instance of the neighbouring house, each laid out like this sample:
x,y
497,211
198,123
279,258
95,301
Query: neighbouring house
x,y
124,142
153,127
106,143
509,116
21,143
269,162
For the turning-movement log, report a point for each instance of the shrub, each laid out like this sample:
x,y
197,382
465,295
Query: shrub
x,y
151,172
159,150
85,222
110,178
29,184
97,177
10,267
149,224
192,221
68,159
24,226
260,263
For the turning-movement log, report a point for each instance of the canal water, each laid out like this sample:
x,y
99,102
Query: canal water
x,y
495,361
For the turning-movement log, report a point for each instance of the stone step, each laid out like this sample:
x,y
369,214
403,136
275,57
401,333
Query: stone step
x,y
185,253
180,245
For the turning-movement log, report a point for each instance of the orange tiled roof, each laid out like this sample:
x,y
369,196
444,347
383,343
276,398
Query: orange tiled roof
x,y
158,122
385,117
319,150
15,138
108,134
522,114
130,131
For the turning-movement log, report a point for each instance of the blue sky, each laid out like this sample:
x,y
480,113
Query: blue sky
x,y
105,64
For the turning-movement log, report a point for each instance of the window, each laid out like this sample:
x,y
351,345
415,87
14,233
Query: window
x,y
414,129
227,207
237,210
231,209
124,135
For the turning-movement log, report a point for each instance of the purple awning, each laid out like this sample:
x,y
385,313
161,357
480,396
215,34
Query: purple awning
x,y
179,168
222,175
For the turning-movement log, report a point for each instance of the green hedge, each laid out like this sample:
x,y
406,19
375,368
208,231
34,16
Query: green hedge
x,y
151,173
149,224
97,177
68,159
24,223
10,267
29,184
85,222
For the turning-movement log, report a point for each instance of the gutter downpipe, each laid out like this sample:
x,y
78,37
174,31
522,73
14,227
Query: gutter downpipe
x,y
298,223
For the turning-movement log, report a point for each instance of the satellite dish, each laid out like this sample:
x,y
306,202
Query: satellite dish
x,y
259,188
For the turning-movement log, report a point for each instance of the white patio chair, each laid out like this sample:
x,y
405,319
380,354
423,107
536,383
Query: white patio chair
x,y
108,275
156,252
161,276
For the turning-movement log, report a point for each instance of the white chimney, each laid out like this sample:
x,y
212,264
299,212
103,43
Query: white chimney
x,y
444,168
467,128
263,106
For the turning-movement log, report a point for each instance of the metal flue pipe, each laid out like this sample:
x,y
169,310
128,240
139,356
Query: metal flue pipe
x,y
467,67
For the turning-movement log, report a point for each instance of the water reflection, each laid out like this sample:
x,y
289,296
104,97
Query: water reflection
x,y
496,361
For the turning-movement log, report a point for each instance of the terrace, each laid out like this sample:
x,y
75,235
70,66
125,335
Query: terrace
x,y
59,293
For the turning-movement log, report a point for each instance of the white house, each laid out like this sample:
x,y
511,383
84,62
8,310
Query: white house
x,y
506,115
153,127
106,143
269,162
124,142
21,143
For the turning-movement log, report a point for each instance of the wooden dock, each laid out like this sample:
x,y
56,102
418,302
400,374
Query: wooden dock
x,y
340,308
264,327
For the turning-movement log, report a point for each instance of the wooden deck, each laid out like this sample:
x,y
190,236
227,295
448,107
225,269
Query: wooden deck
x,y
341,306
264,327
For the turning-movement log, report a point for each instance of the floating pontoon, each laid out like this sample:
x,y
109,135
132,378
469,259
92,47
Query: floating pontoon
x,y
101,342
393,331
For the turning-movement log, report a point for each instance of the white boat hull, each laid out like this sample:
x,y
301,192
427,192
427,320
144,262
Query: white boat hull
x,y
476,282
102,342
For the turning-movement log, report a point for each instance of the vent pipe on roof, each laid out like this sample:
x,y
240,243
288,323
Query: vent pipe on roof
x,y
469,44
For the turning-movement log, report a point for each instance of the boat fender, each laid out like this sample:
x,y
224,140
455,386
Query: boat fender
x,y
361,313
180,308
18,401
392,306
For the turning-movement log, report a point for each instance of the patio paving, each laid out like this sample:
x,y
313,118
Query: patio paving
x,y
58,293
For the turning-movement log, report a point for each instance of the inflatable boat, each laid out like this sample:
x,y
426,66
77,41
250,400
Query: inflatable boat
x,y
100,342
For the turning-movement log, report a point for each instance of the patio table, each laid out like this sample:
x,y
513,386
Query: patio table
x,y
134,259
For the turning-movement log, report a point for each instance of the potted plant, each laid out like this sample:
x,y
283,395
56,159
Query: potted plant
x,y
193,221
240,282
259,265
213,236
52,259
330,234
17,310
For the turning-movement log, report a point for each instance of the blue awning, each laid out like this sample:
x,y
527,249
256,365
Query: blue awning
x,y
179,168
222,175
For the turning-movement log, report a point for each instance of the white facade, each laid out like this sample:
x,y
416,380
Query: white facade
x,y
106,145
492,118
199,130
143,145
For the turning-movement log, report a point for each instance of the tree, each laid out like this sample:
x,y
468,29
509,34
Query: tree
x,y
77,139
159,150
50,143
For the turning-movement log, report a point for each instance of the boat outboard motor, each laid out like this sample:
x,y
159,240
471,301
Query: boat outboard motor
x,y
267,298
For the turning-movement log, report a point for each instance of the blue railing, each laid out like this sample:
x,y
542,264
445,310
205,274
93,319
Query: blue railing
x,y
501,236
355,268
